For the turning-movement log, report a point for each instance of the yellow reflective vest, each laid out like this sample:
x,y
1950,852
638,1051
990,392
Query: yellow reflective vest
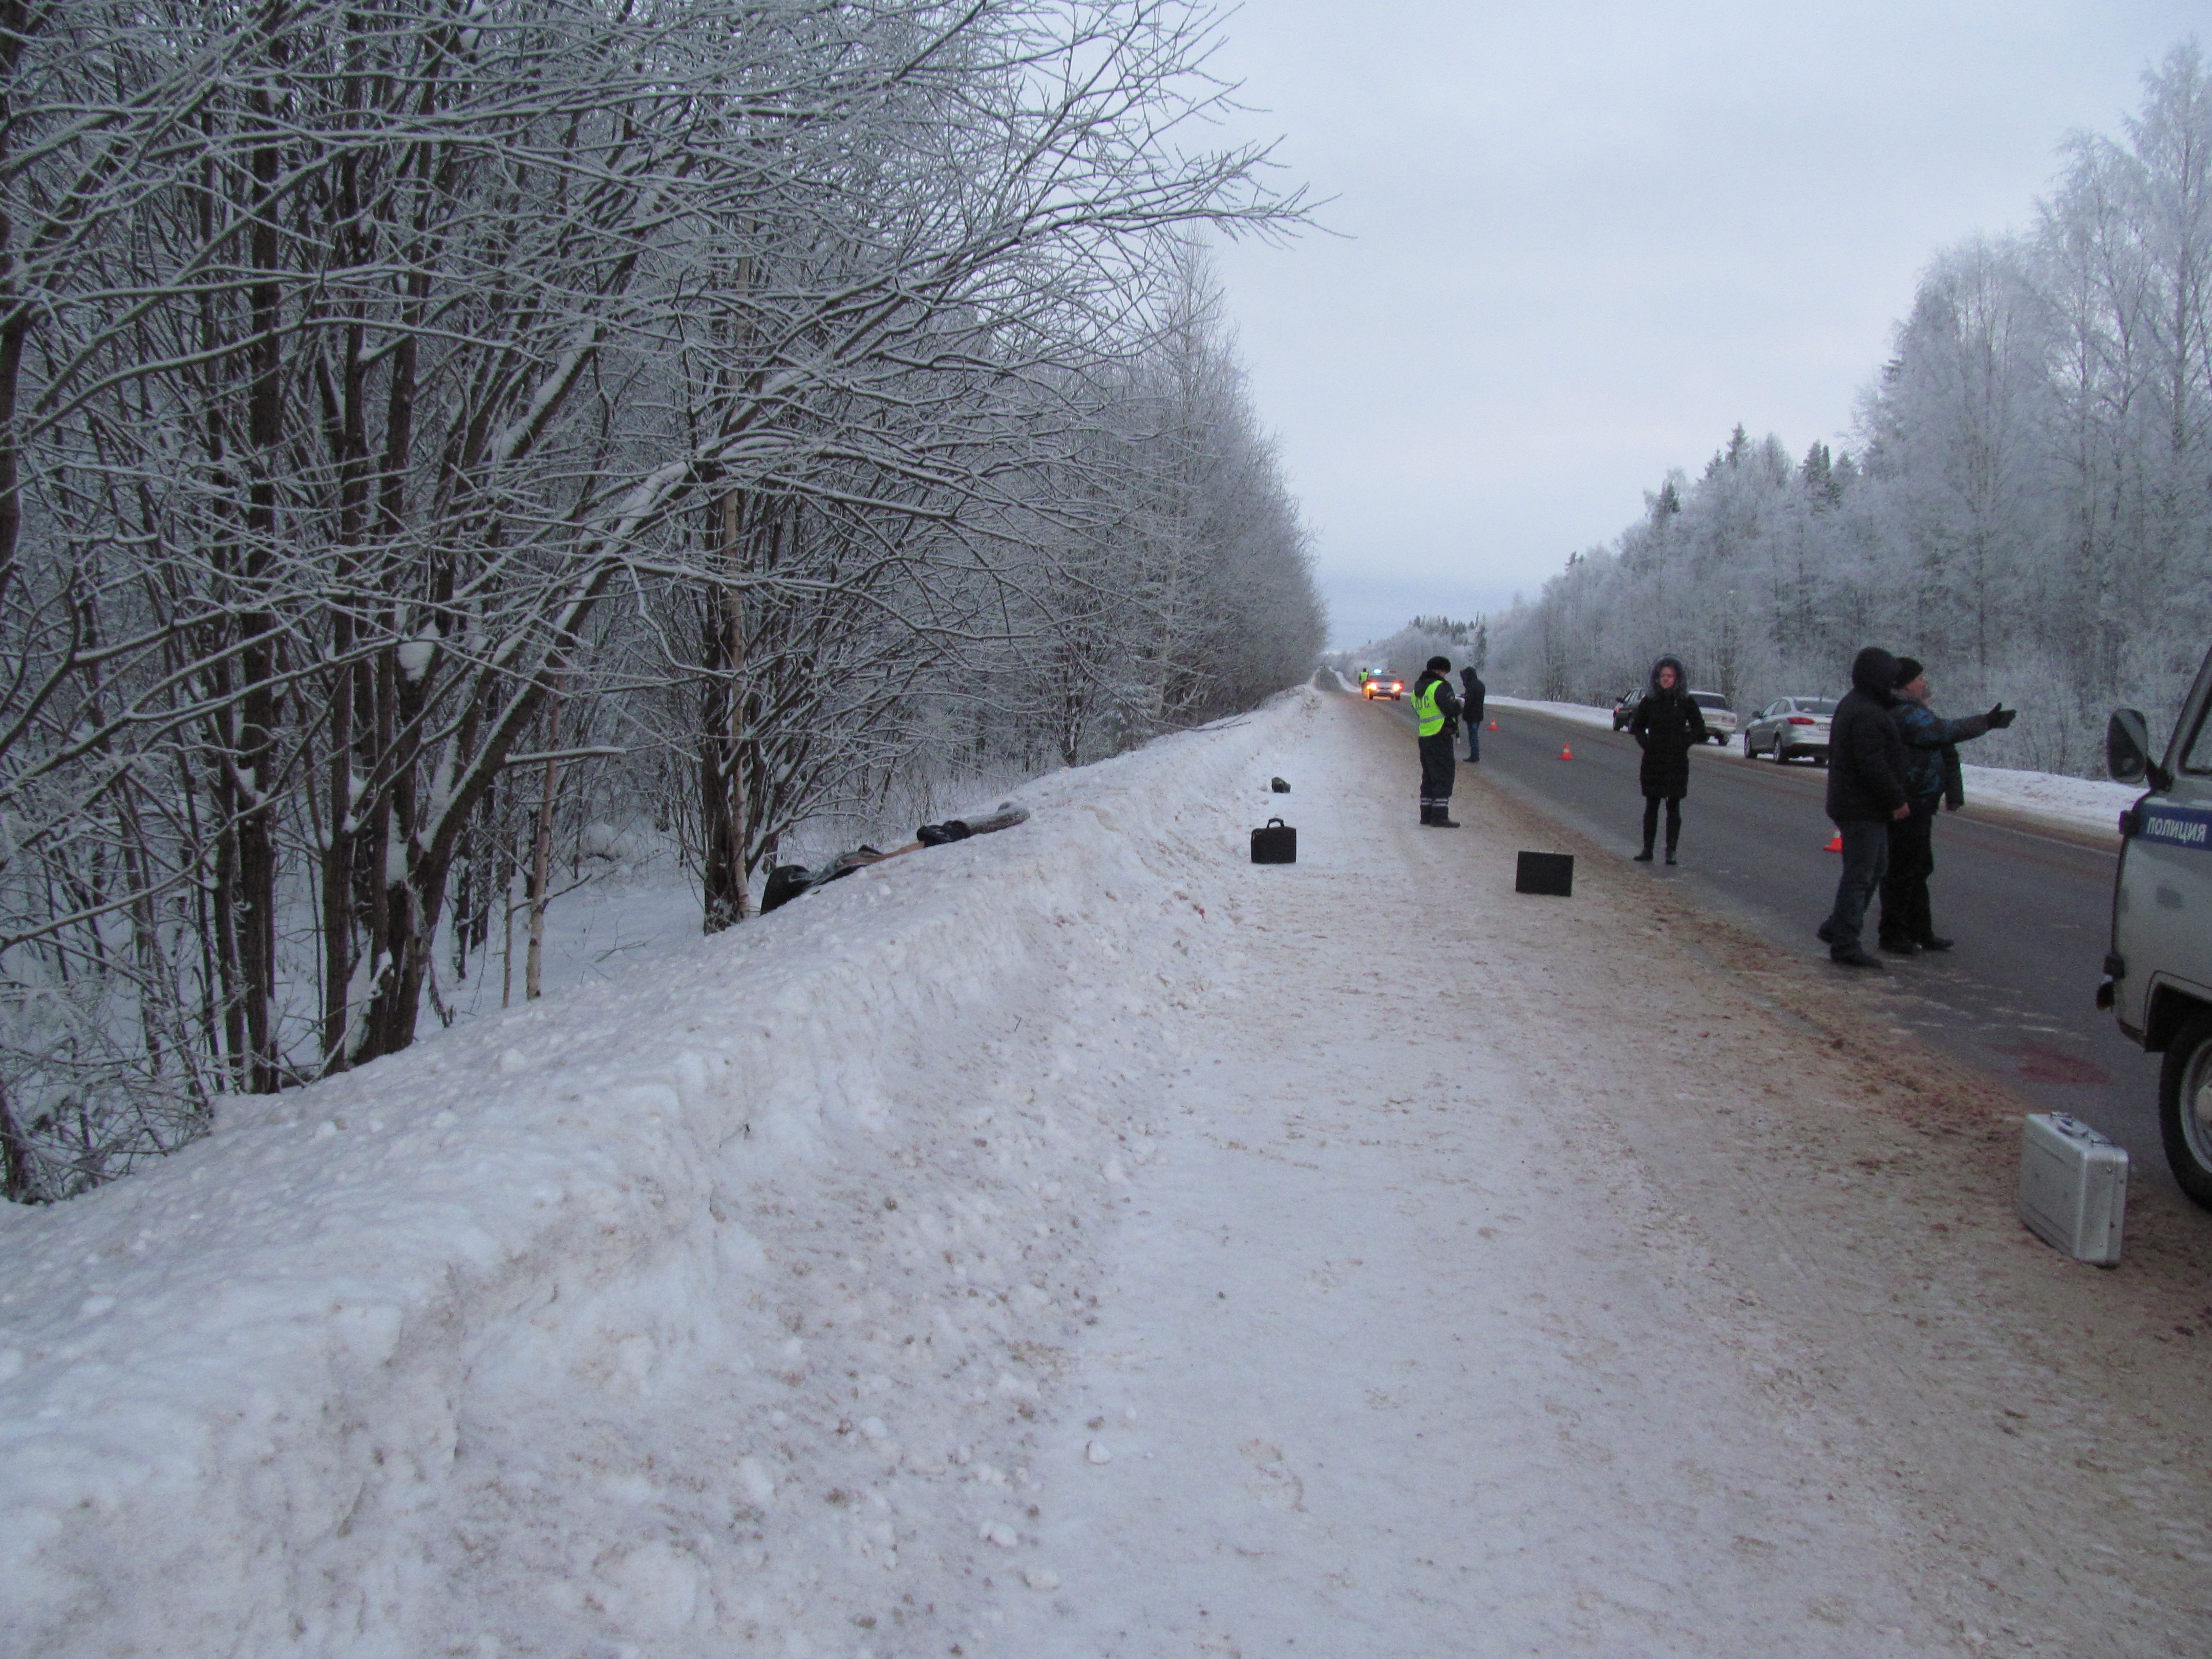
x,y
1431,718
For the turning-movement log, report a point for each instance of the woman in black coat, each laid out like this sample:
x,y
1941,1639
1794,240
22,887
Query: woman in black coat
x,y
1666,725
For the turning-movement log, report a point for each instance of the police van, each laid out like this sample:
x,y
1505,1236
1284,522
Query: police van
x,y
2158,977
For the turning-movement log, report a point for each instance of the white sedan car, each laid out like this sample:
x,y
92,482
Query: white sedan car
x,y
1719,717
1791,728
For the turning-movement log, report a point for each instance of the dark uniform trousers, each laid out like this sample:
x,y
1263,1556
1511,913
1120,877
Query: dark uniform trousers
x,y
1904,911
1437,765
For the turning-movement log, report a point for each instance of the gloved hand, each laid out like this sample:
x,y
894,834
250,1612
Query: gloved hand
x,y
2001,717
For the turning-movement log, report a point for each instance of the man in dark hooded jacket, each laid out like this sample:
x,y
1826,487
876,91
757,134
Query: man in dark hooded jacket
x,y
1931,772
1473,692
1435,718
1666,726
1866,793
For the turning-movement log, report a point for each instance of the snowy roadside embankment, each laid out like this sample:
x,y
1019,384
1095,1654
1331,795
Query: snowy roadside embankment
x,y
709,1303
1581,714
2077,803
2089,804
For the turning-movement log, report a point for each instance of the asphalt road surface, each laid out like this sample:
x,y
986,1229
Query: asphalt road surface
x,y
2030,907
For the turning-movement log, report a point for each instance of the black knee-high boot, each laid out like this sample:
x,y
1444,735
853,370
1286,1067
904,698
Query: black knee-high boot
x,y
1651,829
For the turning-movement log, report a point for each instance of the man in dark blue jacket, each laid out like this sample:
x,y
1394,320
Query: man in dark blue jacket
x,y
1931,771
1866,794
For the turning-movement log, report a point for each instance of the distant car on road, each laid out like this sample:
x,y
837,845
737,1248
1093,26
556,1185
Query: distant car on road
x,y
1624,708
1720,718
1791,728
1383,685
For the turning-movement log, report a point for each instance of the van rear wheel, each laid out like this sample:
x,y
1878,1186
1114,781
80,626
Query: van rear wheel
x,y
2185,1107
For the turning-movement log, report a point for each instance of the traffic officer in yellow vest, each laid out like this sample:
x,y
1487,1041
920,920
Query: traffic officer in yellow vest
x,y
1436,710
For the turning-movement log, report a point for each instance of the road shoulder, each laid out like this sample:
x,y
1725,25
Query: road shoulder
x,y
1862,1183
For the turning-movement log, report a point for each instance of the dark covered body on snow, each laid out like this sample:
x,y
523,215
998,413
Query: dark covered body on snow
x,y
786,882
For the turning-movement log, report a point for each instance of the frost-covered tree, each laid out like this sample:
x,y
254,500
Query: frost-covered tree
x,y
419,417
2029,508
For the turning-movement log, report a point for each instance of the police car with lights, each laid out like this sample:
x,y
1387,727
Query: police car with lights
x,y
2158,977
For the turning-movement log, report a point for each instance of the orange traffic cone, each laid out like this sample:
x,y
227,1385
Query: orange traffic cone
x,y
1565,753
1494,725
1835,843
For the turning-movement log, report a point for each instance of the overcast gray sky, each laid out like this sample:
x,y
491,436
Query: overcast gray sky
x,y
1581,239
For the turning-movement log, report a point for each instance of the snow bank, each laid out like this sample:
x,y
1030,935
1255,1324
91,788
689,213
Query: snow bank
x,y
702,1307
2077,803
2073,803
1581,714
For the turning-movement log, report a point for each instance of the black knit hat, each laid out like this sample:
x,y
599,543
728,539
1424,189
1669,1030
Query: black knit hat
x,y
1440,665
1907,672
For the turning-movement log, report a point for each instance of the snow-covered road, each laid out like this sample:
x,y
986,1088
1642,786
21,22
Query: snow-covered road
x,y
1507,1291
1081,1242
1419,1364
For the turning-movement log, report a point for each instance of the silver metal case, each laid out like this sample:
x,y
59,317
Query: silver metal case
x,y
2073,1187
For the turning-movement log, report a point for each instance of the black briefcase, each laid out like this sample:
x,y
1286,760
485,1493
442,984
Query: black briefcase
x,y
1275,842
1546,872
